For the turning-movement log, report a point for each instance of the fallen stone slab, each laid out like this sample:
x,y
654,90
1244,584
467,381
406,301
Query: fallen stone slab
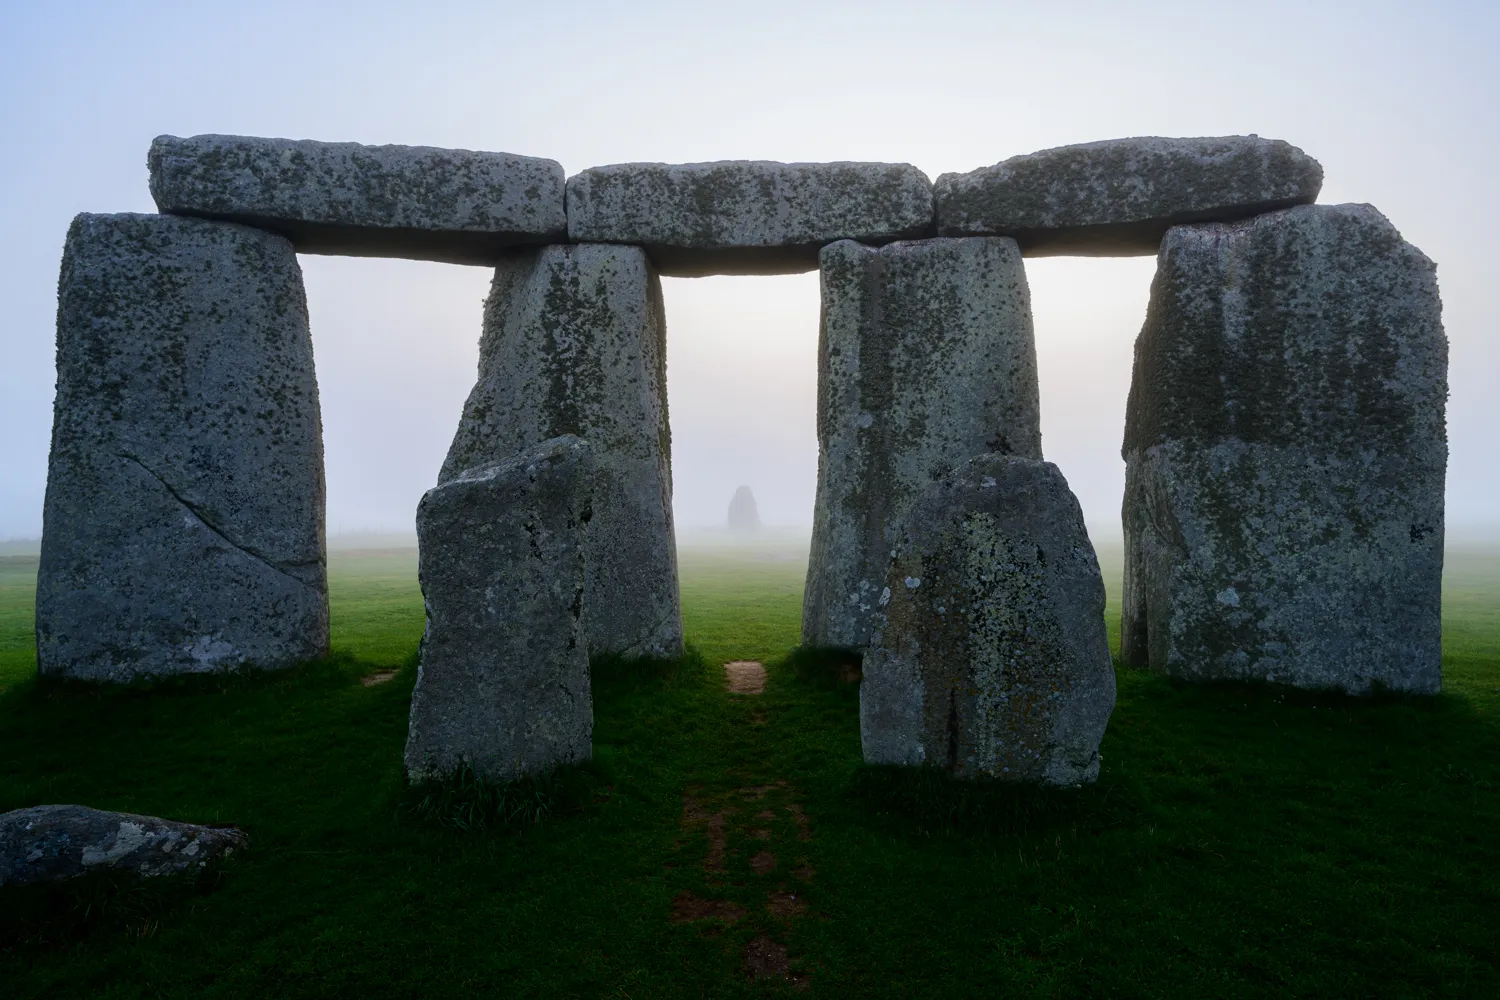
x,y
575,343
991,657
1285,456
1118,197
503,682
182,530
454,205
926,358
744,216
56,843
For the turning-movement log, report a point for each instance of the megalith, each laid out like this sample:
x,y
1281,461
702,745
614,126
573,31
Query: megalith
x,y
1285,454
503,684
1118,197
926,358
746,216
574,343
990,657
454,205
61,842
183,521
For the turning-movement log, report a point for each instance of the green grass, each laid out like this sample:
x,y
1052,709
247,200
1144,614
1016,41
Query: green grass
x,y
1241,842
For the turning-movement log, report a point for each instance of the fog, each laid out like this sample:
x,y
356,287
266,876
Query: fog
x,y
1396,101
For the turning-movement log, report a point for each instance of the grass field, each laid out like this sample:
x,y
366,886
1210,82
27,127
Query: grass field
x,y
1241,841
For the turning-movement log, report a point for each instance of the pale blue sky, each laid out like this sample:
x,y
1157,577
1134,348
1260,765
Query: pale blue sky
x,y
1396,100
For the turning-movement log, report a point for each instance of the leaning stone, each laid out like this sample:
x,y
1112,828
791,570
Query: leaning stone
x,y
56,843
991,657
452,205
503,684
746,217
1285,455
926,358
1118,198
575,343
183,523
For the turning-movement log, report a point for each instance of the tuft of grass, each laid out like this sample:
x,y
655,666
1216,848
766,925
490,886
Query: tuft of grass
x,y
53,915
468,802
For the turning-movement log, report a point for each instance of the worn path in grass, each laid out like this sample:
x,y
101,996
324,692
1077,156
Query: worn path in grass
x,y
1241,842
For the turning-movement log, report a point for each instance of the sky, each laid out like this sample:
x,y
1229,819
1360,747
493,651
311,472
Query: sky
x,y
1396,100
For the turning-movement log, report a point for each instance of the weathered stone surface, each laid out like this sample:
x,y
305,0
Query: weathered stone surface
x,y
1118,198
183,524
575,343
453,205
991,657
744,216
1285,454
926,358
55,843
503,684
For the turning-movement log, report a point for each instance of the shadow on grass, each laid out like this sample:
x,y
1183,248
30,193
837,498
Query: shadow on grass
x,y
466,802
57,914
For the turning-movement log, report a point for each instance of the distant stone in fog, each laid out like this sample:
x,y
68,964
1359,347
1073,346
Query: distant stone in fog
x,y
743,515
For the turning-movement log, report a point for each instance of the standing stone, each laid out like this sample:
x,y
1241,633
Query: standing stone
x,y
453,205
744,517
991,657
926,358
1119,197
575,343
1285,454
503,684
183,524
746,217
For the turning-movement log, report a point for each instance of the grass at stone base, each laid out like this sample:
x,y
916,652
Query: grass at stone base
x,y
1241,841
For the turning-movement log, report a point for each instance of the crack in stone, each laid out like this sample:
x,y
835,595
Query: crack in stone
x,y
192,508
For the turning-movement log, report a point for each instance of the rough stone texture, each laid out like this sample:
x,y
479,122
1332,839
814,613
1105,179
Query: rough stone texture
x,y
1118,198
992,657
926,358
503,684
55,843
183,524
574,343
746,217
453,205
1285,454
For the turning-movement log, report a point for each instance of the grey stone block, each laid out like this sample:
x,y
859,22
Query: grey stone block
x,y
1118,198
452,205
926,358
746,217
991,657
56,843
183,522
503,684
575,343
1285,454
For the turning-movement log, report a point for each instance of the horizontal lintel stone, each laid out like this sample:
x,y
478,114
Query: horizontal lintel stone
x,y
417,202
747,217
1117,198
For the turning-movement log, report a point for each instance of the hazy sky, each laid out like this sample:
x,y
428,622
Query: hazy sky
x,y
1398,101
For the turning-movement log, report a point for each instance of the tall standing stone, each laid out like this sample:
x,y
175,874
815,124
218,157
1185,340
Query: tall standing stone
x,y
1285,454
926,358
183,523
991,657
503,684
575,343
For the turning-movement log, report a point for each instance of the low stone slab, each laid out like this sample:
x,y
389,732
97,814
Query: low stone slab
x,y
183,523
503,684
991,657
56,843
418,202
1118,198
1285,456
926,358
746,217
575,343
